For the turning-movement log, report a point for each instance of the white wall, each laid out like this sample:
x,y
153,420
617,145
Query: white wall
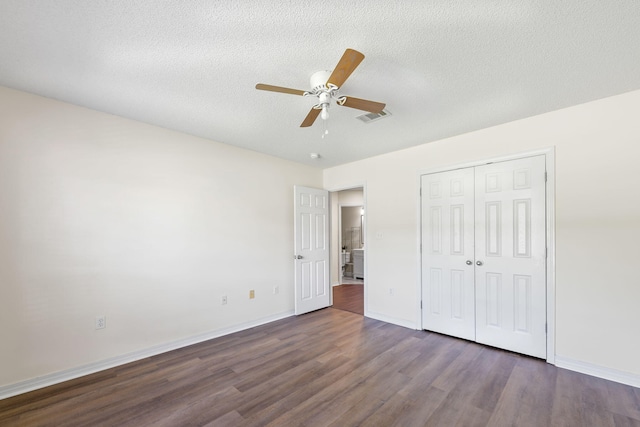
x,y
100,215
597,148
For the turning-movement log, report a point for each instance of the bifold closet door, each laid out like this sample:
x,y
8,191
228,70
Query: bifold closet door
x,y
484,254
510,250
447,253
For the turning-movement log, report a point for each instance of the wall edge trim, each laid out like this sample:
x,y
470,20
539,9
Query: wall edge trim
x,y
392,320
598,371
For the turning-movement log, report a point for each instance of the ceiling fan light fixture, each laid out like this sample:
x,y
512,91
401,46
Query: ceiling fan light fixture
x,y
325,111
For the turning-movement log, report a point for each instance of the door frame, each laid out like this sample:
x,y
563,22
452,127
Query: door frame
x,y
331,190
550,197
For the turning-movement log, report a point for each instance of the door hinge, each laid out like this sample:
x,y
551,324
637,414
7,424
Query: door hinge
x,y
545,177
545,328
420,305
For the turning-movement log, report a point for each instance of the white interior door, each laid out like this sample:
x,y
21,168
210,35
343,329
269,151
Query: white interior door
x,y
484,254
311,246
510,255
448,253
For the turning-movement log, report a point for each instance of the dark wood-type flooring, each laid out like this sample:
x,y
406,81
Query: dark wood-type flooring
x,y
330,368
349,298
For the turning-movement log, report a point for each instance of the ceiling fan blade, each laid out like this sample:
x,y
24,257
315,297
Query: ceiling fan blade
x,y
311,117
349,61
262,86
361,104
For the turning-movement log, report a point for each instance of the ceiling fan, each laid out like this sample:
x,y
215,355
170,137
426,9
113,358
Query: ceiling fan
x,y
325,85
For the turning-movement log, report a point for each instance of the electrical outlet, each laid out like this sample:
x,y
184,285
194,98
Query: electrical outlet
x,y
276,290
390,291
379,235
224,300
101,322
252,294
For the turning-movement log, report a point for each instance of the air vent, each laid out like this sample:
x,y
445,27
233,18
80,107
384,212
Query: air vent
x,y
372,117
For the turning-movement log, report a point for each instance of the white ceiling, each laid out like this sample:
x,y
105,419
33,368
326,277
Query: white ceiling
x,y
443,67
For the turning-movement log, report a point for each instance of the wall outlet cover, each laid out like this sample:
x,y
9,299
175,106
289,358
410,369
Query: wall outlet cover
x,y
101,322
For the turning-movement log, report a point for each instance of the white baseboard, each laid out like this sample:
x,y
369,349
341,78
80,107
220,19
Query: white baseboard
x,y
598,371
69,374
384,318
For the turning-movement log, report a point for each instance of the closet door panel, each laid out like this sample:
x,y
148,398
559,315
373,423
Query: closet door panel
x,y
447,253
510,255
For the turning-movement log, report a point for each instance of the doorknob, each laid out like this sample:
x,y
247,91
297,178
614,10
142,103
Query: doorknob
x,y
478,263
469,262
298,257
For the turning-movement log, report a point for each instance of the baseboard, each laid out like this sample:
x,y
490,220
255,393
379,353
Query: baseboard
x,y
69,374
393,320
598,371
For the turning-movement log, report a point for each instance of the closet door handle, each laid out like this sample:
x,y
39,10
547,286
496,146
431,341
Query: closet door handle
x,y
469,262
478,263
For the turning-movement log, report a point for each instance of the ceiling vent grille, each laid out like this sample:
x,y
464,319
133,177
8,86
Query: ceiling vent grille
x,y
372,117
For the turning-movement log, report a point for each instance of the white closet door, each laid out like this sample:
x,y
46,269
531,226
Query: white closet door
x,y
510,255
447,253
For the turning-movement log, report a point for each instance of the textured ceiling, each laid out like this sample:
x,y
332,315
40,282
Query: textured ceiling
x,y
443,67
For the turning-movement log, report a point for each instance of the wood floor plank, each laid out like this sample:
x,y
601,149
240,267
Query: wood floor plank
x,y
624,400
332,371
407,409
527,397
357,403
330,368
227,420
349,298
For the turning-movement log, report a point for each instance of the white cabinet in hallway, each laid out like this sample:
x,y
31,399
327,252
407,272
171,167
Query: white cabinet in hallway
x,y
358,263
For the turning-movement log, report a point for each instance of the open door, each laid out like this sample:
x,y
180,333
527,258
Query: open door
x,y
311,246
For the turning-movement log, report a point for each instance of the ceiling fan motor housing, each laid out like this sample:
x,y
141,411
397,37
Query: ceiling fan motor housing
x,y
319,89
319,81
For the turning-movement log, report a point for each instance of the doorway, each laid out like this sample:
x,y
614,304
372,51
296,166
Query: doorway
x,y
351,245
348,245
